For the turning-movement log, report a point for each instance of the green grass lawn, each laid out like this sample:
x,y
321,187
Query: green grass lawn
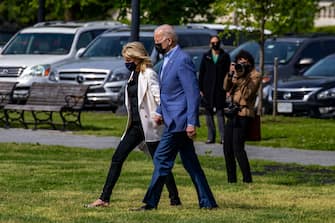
x,y
44,184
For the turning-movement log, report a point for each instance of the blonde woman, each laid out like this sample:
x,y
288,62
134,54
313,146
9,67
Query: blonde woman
x,y
141,100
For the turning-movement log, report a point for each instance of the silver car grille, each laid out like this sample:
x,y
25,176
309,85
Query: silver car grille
x,y
11,71
299,94
89,77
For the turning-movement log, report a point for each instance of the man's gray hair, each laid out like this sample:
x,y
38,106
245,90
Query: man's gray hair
x,y
167,31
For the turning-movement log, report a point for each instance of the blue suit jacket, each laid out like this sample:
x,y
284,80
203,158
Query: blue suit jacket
x,y
179,93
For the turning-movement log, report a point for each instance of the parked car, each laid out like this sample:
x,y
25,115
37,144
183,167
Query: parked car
x,y
312,94
29,54
101,65
231,35
295,54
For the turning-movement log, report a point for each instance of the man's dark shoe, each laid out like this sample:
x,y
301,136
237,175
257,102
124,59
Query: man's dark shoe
x,y
209,207
146,207
209,142
175,202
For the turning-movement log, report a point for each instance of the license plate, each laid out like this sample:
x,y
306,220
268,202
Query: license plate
x,y
284,107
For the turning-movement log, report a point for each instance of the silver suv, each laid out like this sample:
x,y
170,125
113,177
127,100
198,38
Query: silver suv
x,y
102,68
30,53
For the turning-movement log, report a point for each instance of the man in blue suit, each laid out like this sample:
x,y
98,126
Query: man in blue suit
x,y
178,111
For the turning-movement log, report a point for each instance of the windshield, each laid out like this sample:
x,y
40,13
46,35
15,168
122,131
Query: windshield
x,y
111,46
40,43
323,68
283,50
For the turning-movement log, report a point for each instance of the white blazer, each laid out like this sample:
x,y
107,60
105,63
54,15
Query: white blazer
x,y
148,98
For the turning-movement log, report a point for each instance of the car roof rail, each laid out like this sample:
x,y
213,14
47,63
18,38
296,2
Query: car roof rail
x,y
74,24
48,23
127,28
104,23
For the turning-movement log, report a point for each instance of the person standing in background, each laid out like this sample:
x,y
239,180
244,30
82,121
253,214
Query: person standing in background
x,y
213,68
141,100
242,83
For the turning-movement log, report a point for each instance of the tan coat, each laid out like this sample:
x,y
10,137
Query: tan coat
x,y
148,99
245,92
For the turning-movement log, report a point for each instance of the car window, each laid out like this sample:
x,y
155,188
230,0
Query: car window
x,y
236,37
329,46
280,49
84,39
193,39
324,68
252,47
111,46
314,51
40,43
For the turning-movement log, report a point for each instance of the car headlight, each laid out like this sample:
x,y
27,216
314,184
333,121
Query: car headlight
x,y
118,77
326,94
267,91
38,71
53,76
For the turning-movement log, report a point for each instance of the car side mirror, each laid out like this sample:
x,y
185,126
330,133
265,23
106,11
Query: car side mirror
x,y
80,52
306,62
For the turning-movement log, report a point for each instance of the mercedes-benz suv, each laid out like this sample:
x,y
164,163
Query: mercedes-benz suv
x,y
30,53
101,65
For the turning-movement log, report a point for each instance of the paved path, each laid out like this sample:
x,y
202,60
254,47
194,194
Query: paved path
x,y
51,137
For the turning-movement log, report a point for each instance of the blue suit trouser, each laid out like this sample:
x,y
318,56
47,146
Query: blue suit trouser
x,y
165,155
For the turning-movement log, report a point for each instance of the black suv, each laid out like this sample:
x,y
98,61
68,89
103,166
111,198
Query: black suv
x,y
295,54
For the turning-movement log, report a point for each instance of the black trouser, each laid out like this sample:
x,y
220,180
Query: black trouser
x,y
233,147
211,129
133,137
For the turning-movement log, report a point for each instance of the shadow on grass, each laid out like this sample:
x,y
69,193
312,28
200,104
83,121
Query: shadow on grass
x,y
299,174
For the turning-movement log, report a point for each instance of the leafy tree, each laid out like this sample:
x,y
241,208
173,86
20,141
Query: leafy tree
x,y
24,12
176,12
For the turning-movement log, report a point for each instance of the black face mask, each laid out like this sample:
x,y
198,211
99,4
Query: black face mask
x,y
159,48
130,66
215,46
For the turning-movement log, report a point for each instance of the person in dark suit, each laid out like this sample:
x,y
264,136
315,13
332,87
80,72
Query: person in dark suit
x,y
141,100
178,111
213,68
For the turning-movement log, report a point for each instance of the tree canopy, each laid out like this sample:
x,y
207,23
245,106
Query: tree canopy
x,y
280,16
24,12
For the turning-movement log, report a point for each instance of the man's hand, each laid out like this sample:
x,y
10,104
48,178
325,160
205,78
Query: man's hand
x,y
158,119
191,132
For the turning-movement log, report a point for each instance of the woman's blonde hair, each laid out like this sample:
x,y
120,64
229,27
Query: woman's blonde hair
x,y
137,52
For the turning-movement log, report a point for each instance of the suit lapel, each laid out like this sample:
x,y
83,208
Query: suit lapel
x,y
142,87
169,65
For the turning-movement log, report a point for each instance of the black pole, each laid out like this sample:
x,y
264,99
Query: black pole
x,y
135,20
41,11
